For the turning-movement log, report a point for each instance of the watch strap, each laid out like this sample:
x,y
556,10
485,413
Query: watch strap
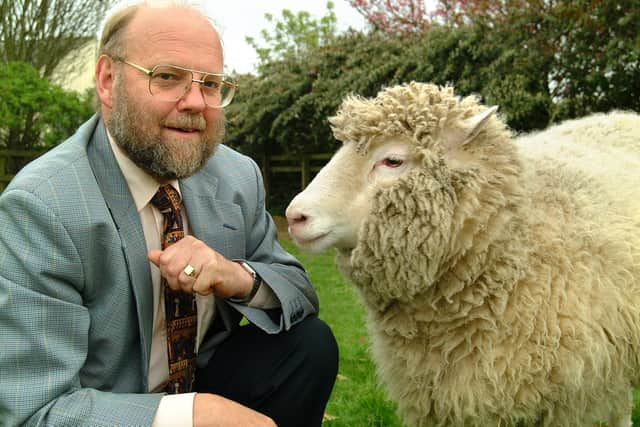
x,y
256,283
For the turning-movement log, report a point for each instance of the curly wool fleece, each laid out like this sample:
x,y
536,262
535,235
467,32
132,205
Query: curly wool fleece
x,y
501,278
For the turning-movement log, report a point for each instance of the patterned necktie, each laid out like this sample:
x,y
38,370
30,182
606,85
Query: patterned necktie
x,y
180,307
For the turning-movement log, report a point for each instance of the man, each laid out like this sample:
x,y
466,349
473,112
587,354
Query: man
x,y
130,248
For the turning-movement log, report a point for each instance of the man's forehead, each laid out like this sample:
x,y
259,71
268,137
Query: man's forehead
x,y
175,36
177,19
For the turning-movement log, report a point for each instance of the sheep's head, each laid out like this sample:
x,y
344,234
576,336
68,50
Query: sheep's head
x,y
394,188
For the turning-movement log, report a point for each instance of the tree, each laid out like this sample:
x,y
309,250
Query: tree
x,y
266,103
596,56
285,109
562,58
43,33
507,57
35,113
294,34
397,17
459,12
394,16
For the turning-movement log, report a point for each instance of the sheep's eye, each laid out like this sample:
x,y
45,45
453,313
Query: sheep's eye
x,y
390,162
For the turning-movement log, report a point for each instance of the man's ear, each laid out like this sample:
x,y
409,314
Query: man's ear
x,y
104,80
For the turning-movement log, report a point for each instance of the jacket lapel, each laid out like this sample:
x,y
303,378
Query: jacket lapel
x,y
202,209
125,216
211,220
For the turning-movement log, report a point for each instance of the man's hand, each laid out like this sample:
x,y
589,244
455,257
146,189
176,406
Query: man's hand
x,y
214,274
211,410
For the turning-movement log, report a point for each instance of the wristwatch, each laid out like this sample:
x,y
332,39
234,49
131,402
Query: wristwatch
x,y
256,283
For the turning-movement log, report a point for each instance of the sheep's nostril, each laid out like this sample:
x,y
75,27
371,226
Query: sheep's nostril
x,y
296,219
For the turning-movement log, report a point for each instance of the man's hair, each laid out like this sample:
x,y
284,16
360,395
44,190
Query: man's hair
x,y
112,40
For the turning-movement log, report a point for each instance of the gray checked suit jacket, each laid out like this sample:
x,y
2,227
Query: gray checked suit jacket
x,y
75,284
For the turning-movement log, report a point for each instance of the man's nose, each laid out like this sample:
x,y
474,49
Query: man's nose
x,y
193,99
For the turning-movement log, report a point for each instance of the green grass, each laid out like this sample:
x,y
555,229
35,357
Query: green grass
x,y
358,400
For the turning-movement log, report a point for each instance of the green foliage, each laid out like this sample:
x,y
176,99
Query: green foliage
x,y
294,34
285,109
35,113
597,60
585,55
540,62
49,36
63,117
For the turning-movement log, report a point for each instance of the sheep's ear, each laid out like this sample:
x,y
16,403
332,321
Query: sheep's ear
x,y
473,125
453,138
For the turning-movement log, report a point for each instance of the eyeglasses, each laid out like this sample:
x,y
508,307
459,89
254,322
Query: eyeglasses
x,y
170,83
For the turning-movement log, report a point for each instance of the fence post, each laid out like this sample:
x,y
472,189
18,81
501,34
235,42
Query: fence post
x,y
19,157
305,172
266,179
3,173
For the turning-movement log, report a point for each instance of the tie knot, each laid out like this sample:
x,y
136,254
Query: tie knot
x,y
166,199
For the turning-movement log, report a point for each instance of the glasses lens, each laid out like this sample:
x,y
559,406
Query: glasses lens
x,y
217,91
169,83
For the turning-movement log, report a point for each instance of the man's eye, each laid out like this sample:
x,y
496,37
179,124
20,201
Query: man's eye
x,y
166,76
211,84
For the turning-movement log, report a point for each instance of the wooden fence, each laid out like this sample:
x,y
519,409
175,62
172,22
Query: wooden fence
x,y
14,157
305,165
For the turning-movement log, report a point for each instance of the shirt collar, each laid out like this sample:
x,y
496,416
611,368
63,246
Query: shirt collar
x,y
142,185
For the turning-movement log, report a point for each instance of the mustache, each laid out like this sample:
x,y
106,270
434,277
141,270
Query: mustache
x,y
193,122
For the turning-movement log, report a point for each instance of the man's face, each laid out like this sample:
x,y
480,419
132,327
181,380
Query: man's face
x,y
170,140
140,131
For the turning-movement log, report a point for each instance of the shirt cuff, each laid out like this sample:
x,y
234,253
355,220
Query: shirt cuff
x,y
265,298
175,410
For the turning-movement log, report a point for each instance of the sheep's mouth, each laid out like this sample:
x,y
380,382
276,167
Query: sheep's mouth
x,y
313,243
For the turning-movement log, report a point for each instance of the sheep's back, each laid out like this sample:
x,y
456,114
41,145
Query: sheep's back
x,y
583,184
597,158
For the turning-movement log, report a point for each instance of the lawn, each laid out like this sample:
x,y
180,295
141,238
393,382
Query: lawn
x,y
358,400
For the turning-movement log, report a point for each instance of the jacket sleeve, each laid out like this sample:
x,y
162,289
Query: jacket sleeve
x,y
279,270
44,326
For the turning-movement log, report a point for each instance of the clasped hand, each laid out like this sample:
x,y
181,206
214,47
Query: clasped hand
x,y
214,274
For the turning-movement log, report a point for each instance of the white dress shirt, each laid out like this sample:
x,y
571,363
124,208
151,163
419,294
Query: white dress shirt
x,y
176,409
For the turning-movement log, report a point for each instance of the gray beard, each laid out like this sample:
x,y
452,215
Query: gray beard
x,y
155,155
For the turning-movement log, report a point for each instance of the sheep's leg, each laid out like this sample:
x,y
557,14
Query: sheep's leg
x,y
621,420
621,415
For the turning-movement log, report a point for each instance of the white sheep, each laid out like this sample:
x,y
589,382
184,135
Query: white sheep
x,y
501,276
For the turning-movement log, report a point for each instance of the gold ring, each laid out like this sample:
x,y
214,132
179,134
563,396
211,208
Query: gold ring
x,y
190,271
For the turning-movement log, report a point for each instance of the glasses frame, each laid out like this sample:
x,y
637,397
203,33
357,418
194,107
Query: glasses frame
x,y
225,80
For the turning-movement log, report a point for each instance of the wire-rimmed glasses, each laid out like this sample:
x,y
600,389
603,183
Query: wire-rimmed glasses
x,y
170,83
